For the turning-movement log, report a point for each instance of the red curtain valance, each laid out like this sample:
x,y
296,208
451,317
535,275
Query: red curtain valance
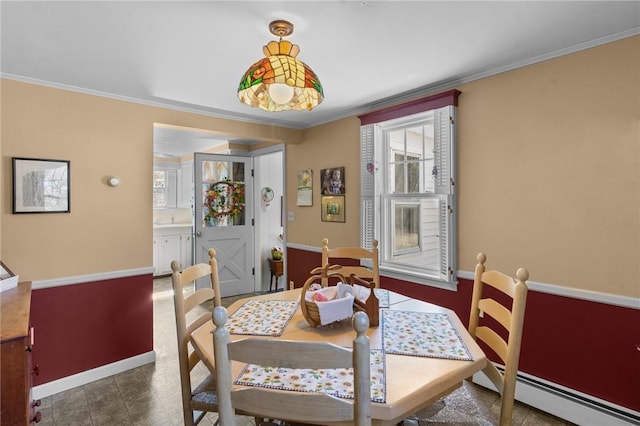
x,y
412,107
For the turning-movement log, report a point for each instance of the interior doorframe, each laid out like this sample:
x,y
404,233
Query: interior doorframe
x,y
259,246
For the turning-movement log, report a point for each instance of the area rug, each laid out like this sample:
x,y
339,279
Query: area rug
x,y
461,407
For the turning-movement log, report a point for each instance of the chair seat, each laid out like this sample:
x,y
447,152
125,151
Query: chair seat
x,y
205,396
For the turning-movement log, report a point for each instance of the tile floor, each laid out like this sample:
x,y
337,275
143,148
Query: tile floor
x,y
150,395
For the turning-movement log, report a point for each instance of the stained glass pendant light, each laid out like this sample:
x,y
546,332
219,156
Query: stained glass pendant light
x,y
280,82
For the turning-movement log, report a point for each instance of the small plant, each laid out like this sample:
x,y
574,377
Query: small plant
x,y
276,253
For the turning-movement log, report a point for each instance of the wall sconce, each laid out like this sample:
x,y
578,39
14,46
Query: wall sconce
x,y
113,181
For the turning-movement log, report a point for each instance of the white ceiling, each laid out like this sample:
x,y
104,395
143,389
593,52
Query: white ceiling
x,y
367,54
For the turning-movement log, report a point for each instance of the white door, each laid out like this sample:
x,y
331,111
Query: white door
x,y
224,219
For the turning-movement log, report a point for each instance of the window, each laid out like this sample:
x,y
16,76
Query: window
x,y
164,187
407,188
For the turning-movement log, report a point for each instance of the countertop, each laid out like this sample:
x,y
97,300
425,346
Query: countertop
x,y
171,225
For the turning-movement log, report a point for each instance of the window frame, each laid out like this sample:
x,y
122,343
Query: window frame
x,y
169,189
375,190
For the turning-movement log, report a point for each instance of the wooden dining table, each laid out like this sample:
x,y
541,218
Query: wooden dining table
x,y
412,382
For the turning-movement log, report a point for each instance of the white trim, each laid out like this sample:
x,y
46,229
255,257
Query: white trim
x,y
175,106
566,403
419,279
448,84
304,247
81,279
574,293
349,112
268,150
386,272
80,379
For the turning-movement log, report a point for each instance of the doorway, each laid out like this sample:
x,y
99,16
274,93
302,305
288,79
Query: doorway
x,y
270,205
267,224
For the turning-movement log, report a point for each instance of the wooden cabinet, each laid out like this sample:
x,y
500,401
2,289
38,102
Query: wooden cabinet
x,y
277,270
15,359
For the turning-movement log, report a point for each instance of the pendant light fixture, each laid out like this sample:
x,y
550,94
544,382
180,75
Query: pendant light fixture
x,y
280,82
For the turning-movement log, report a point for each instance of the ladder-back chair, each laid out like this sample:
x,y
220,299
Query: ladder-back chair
x,y
510,317
202,398
333,255
292,406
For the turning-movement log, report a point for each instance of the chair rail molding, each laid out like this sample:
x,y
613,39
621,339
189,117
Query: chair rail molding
x,y
83,279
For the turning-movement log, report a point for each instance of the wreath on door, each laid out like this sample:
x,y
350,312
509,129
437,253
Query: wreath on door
x,y
223,199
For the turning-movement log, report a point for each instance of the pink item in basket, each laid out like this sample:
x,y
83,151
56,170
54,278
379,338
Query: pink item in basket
x,y
319,297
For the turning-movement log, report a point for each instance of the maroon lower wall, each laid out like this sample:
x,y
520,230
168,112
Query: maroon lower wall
x,y
83,326
586,346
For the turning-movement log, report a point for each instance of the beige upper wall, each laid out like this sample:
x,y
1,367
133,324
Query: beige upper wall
x,y
549,170
108,228
336,144
549,173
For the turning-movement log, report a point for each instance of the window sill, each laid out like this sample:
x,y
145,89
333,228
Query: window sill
x,y
419,279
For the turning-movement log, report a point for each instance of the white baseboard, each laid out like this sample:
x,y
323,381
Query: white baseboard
x,y
70,382
566,403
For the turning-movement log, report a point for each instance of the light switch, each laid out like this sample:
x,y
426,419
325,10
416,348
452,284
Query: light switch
x,y
290,216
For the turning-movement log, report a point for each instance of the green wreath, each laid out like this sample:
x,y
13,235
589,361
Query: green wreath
x,y
224,199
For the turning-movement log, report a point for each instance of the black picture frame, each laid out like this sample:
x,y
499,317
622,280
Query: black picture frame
x,y
41,185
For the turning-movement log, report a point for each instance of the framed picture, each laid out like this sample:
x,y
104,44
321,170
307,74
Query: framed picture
x,y
333,208
41,186
333,181
305,188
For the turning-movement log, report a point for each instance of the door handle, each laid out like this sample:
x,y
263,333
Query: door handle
x,y
199,234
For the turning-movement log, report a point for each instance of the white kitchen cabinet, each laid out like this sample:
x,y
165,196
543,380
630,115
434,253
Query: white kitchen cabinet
x,y
185,187
170,250
186,254
156,254
171,242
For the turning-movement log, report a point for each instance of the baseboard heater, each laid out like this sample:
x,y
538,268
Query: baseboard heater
x,y
566,403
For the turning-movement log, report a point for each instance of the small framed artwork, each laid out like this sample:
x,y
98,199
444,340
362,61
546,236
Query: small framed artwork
x,y
333,181
333,208
41,186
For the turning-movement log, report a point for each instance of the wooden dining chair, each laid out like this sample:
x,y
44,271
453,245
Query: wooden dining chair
x,y
292,406
506,310
337,254
198,400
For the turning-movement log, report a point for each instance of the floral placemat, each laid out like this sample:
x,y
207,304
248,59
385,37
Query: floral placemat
x,y
383,297
332,381
262,317
422,334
